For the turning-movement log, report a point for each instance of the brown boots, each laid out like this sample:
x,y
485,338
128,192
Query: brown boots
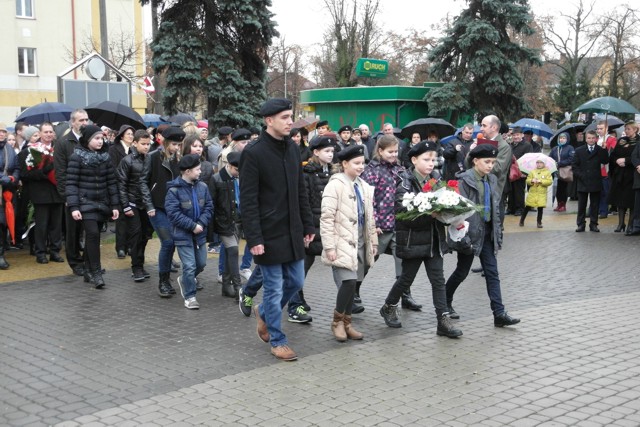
x,y
342,328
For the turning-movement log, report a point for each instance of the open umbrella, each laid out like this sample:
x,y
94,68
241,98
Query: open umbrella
x,y
113,115
181,118
527,162
45,112
476,130
571,129
607,105
152,120
425,126
308,123
535,126
612,123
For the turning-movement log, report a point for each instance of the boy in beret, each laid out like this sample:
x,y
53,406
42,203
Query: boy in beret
x,y
276,219
189,208
480,186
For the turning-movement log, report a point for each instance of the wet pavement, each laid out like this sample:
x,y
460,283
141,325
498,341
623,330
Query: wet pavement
x,y
71,355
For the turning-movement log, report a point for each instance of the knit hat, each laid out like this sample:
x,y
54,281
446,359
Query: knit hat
x,y
88,133
28,132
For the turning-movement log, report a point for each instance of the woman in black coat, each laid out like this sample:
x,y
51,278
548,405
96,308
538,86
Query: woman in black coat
x,y
92,195
621,173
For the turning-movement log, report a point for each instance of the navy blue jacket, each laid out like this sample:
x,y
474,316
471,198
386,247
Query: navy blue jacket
x,y
188,205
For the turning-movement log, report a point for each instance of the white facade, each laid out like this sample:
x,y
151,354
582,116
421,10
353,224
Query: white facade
x,y
41,38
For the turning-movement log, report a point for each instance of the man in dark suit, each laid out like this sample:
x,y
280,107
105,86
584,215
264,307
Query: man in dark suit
x,y
276,218
586,172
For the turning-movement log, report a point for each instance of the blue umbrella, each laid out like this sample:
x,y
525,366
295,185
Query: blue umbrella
x,y
447,139
45,112
476,130
153,120
535,126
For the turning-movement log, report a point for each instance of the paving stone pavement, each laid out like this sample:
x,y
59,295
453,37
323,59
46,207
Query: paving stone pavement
x,y
70,355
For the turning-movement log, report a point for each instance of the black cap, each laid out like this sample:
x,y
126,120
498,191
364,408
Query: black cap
x,y
483,151
241,134
351,152
345,128
320,142
233,158
173,133
189,161
274,106
422,147
225,130
88,132
322,123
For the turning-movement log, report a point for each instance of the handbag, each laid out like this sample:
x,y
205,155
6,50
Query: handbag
x,y
565,173
514,170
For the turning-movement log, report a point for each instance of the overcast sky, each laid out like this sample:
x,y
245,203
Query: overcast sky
x,y
301,21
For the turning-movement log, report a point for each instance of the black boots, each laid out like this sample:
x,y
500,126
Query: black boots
x,y
390,315
4,265
227,287
164,286
236,282
96,279
409,303
446,328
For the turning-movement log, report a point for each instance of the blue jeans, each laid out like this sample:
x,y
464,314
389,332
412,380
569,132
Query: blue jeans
x,y
162,226
193,259
281,282
254,283
490,267
247,258
222,259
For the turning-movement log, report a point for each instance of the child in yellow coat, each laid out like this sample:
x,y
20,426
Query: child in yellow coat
x,y
538,180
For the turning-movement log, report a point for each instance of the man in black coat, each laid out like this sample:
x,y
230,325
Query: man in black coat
x,y
456,151
587,161
276,217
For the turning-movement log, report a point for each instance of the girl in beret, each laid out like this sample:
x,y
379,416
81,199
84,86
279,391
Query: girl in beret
x,y
348,233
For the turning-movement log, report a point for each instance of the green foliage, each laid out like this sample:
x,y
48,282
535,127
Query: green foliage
x,y
217,50
478,60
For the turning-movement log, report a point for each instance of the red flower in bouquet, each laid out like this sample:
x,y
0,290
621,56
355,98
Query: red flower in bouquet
x,y
39,157
430,185
453,185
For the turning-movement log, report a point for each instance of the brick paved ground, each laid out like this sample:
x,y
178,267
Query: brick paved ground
x,y
70,355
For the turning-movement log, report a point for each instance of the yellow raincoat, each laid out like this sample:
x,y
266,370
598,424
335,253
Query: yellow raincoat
x,y
537,196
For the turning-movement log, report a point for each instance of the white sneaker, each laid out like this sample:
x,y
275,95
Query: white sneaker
x,y
220,279
245,273
191,303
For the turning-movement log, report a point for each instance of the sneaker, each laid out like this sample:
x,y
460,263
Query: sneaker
x,y
299,316
138,275
191,303
199,287
284,352
214,250
391,316
245,273
220,278
146,274
245,303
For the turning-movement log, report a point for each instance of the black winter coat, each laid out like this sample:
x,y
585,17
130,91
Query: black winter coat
x,y
454,159
36,183
63,149
225,208
635,160
91,185
129,178
315,179
417,238
274,203
586,168
157,171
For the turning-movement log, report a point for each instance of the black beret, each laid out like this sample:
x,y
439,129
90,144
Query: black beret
x,y
88,132
345,128
422,147
273,106
254,131
225,130
517,129
241,134
319,142
189,161
233,158
173,133
322,123
483,151
351,152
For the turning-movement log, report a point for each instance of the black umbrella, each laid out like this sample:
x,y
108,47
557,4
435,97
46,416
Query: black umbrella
x,y
612,123
113,115
571,129
425,126
45,112
181,118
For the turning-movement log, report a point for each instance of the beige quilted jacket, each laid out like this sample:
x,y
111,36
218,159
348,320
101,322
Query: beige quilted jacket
x,y
339,222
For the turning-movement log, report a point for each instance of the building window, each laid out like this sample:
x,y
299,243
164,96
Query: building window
x,y
27,61
24,8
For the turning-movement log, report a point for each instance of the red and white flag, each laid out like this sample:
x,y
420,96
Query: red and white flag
x,y
147,85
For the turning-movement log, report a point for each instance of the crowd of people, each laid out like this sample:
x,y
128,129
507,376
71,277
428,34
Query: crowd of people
x,y
336,196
